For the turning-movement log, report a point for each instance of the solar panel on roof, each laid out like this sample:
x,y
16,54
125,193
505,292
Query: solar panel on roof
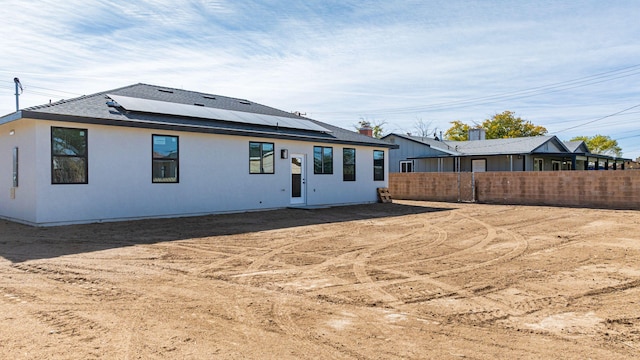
x,y
170,108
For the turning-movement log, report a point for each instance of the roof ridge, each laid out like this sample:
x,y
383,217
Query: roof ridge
x,y
205,94
194,92
81,97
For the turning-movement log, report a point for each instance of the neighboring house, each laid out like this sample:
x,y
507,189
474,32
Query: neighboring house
x,y
585,160
538,153
145,151
632,165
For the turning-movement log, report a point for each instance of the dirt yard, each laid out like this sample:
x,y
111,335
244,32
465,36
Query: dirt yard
x,y
410,280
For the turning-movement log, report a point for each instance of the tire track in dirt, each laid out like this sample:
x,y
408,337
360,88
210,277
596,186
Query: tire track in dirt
x,y
410,244
354,256
398,293
405,239
68,323
131,342
417,236
95,287
309,272
530,306
13,295
281,316
543,218
254,258
516,252
491,310
378,293
257,263
65,324
608,289
491,234
477,317
227,258
44,269
305,269
553,247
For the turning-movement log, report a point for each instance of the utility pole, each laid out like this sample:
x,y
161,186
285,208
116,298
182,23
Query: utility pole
x,y
18,86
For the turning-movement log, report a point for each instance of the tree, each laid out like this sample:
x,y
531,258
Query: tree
x,y
378,131
423,128
500,126
459,131
601,144
505,125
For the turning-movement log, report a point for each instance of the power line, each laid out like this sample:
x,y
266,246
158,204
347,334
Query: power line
x,y
39,87
55,94
59,91
525,93
598,119
598,78
628,137
562,121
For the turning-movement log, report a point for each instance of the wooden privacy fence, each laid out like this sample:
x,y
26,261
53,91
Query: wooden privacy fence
x,y
594,189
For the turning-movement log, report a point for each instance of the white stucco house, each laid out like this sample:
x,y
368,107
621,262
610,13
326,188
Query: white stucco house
x,y
146,151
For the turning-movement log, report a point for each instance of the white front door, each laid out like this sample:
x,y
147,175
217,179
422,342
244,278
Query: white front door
x,y
298,179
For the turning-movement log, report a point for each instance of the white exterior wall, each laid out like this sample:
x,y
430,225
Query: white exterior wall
x,y
18,203
327,189
213,177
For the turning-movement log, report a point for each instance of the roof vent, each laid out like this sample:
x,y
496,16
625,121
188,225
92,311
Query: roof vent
x,y
113,104
166,91
198,104
110,102
209,97
244,102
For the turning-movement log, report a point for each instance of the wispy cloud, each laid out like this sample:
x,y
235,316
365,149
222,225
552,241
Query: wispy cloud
x,y
339,61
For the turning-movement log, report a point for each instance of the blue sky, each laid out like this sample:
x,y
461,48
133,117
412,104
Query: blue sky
x,y
571,66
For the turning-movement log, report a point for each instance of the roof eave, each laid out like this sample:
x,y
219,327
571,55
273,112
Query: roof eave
x,y
11,117
193,128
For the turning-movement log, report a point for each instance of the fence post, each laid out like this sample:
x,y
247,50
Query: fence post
x,y
473,187
459,191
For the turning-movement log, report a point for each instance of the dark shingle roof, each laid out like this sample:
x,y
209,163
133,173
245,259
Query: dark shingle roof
x,y
93,109
522,145
574,146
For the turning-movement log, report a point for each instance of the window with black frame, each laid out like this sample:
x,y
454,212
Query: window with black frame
x,y
378,165
261,158
69,160
322,160
165,159
348,164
